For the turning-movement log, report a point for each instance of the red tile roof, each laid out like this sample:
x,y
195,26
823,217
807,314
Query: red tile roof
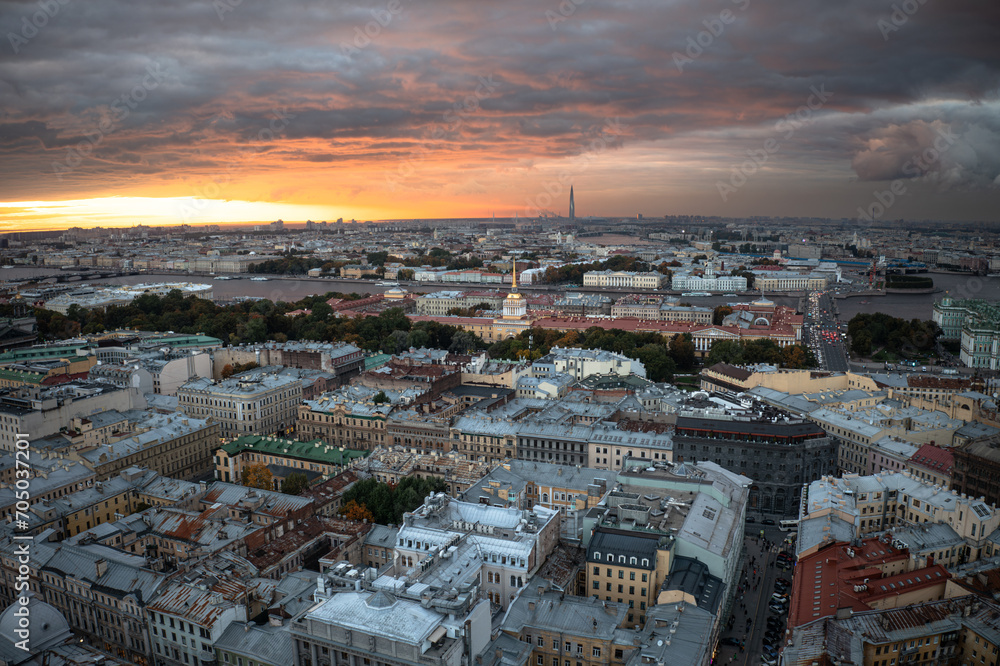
x,y
934,458
841,576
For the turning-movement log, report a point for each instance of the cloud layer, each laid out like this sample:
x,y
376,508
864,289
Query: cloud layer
x,y
425,107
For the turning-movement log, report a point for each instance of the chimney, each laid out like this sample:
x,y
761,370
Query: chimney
x,y
101,567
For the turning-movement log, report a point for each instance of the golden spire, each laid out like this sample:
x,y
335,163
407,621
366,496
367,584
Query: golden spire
x,y
513,285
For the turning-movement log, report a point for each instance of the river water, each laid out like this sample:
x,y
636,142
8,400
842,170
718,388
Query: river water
x,y
899,305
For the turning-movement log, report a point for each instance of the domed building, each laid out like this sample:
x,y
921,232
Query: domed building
x,y
515,313
46,629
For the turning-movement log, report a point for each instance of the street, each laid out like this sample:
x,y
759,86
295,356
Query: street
x,y
823,333
752,603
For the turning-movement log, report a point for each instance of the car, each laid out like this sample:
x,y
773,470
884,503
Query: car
x,y
751,519
729,640
773,636
778,609
784,565
768,521
768,661
779,596
770,651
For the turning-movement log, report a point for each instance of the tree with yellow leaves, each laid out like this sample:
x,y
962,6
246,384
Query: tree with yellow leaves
x,y
258,475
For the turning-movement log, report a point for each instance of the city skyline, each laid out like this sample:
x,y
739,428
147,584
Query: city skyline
x,y
228,113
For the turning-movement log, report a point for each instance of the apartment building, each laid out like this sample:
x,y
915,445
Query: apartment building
x,y
41,412
350,417
242,406
963,630
174,445
627,567
854,506
283,457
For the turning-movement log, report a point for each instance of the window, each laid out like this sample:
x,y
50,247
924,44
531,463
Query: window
x,y
541,642
597,571
597,652
540,660
597,585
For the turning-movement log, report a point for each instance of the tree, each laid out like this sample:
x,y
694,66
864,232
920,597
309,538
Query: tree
x,y
352,510
380,398
227,371
682,351
659,366
725,351
861,343
259,476
719,313
294,483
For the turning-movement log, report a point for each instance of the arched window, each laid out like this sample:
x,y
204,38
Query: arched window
x,y
631,560
597,556
513,581
611,558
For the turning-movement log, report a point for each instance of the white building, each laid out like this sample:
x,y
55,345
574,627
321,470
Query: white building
x,y
626,279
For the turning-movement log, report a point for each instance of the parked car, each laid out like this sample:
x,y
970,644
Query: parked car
x,y
768,521
729,640
768,661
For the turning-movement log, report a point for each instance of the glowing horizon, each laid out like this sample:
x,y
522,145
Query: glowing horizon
x,y
182,113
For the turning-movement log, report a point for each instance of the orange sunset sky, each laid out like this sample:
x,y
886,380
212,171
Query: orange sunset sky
x,y
118,113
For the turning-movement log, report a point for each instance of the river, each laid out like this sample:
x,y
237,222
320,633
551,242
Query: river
x,y
290,290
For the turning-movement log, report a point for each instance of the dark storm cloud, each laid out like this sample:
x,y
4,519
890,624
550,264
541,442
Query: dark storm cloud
x,y
359,82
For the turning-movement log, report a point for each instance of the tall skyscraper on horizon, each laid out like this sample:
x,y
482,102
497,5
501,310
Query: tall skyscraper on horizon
x,y
572,206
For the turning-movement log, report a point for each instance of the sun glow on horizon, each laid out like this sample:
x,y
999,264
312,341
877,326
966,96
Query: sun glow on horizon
x,y
164,211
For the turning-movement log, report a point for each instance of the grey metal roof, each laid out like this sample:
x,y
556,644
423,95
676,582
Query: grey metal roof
x,y
262,643
693,577
619,543
556,612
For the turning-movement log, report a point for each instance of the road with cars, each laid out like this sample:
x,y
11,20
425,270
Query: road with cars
x,y
763,635
823,333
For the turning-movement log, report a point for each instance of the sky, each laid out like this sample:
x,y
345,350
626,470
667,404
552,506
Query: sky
x,y
118,112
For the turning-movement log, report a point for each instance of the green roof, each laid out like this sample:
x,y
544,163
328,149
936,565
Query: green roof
x,y
377,361
43,352
316,450
22,376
